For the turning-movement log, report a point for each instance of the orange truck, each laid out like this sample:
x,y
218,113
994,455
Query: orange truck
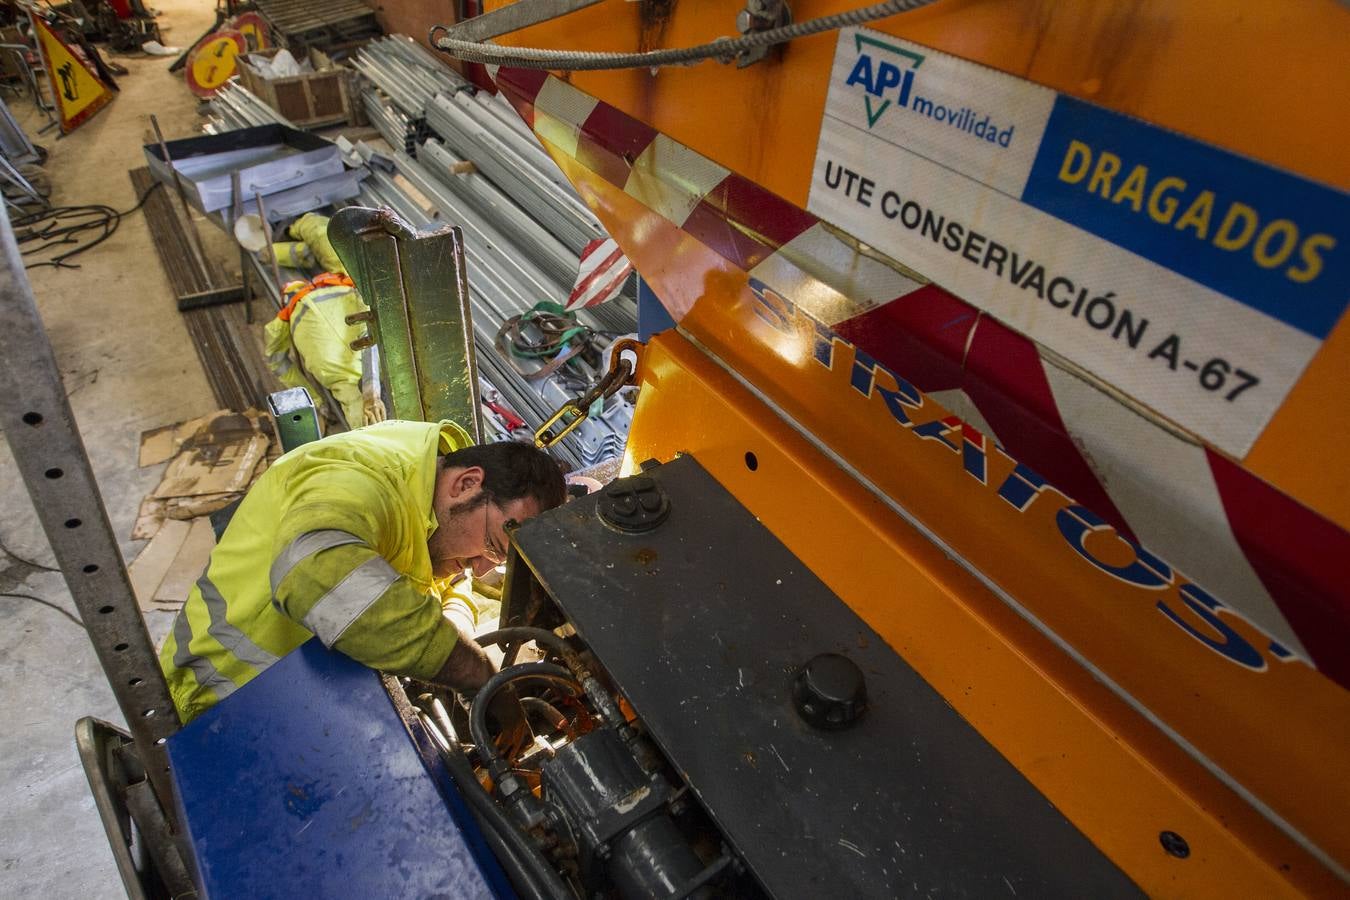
x,y
1022,325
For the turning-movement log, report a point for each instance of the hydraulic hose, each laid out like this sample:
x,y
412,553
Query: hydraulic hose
x,y
548,711
521,633
539,671
531,875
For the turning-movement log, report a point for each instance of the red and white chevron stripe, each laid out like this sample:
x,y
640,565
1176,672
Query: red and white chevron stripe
x,y
1268,556
601,275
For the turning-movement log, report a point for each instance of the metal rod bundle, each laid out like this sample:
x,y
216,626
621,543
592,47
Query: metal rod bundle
x,y
474,134
505,280
234,107
524,225
407,73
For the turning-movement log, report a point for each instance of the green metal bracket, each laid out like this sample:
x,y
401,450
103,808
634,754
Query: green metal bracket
x,y
296,418
418,293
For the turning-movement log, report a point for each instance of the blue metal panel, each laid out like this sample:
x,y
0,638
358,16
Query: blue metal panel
x,y
652,315
307,783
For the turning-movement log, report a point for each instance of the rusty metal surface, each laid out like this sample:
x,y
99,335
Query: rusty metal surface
x,y
415,284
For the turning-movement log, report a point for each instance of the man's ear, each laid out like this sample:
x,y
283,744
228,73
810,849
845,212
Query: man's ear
x,y
464,482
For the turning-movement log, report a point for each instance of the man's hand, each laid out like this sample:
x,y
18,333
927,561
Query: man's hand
x,y
506,719
372,407
466,668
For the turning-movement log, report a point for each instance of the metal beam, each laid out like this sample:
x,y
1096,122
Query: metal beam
x,y
418,293
36,417
521,14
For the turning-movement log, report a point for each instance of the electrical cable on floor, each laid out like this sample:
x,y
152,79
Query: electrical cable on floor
x,y
27,562
47,603
60,226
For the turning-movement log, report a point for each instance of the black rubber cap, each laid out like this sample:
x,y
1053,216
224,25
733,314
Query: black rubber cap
x,y
634,505
829,692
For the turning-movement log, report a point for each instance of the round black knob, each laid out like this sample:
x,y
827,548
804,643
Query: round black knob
x,y
829,692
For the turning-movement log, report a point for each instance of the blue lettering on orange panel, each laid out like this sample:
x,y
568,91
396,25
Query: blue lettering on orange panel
x,y
1229,644
771,306
973,457
938,430
1021,486
864,373
1145,570
822,345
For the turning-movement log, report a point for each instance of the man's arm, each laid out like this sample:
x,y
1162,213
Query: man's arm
x,y
328,574
466,668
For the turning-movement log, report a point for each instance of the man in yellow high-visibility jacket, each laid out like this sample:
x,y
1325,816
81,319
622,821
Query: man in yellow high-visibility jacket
x,y
348,539
308,345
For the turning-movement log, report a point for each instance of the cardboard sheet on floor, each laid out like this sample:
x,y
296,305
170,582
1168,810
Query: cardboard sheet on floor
x,y
213,459
160,444
149,519
188,565
213,467
169,565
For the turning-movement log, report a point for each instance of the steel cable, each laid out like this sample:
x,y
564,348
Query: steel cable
x,y
724,49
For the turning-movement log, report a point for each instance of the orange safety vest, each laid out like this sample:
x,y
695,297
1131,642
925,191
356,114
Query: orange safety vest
x,y
323,280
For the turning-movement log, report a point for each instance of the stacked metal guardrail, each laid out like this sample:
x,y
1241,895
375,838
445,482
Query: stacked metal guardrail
x,y
475,164
523,223
505,282
234,107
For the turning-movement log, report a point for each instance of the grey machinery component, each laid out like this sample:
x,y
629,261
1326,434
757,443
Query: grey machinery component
x,y
614,816
703,621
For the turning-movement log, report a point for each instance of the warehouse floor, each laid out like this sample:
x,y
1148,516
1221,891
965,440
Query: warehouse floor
x,y
128,366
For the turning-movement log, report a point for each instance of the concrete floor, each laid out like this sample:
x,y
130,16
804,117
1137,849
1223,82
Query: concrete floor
x,y
128,366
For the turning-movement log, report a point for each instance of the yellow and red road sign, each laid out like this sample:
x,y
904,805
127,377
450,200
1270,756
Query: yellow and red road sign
x,y
77,91
212,61
254,28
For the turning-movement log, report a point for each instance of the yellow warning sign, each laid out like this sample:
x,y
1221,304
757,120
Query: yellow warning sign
x,y
76,88
212,61
254,29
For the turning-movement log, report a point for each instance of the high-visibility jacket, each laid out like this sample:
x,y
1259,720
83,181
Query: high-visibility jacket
x,y
312,228
331,541
316,330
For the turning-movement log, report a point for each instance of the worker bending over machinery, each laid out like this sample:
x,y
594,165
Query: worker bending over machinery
x,y
351,539
308,344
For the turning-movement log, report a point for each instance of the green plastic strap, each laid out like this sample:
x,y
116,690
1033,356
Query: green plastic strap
x,y
550,306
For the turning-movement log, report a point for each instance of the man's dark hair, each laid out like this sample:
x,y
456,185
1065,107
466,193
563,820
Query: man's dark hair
x,y
512,470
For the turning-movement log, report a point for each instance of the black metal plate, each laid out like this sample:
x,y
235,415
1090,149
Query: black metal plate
x,y
702,622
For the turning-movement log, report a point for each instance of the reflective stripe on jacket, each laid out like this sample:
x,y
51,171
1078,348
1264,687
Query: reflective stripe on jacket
x,y
318,332
331,541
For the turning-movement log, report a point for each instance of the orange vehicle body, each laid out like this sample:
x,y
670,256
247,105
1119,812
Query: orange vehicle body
x,y
1145,617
